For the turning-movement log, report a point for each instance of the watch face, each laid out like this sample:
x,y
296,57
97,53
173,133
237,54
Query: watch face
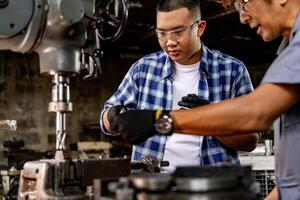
x,y
164,124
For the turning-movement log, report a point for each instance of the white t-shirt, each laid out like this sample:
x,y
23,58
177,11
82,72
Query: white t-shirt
x,y
183,149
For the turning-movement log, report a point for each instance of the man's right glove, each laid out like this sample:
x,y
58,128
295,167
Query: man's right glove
x,y
192,101
136,126
113,112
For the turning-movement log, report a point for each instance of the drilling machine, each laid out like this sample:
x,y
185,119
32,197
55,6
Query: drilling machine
x,y
66,35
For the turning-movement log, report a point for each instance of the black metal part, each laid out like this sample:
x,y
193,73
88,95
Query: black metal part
x,y
201,182
3,3
12,194
212,171
111,24
110,168
148,164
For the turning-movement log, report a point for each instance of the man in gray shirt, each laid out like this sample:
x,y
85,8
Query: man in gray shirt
x,y
276,98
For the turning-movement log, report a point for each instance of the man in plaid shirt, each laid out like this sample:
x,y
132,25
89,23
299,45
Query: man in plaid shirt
x,y
184,68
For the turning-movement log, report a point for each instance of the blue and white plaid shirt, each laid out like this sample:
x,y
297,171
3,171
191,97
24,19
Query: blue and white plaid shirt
x,y
148,85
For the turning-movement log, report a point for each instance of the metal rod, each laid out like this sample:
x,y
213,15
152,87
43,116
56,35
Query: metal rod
x,y
60,105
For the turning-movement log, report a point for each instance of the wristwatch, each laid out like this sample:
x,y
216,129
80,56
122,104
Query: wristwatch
x,y
164,122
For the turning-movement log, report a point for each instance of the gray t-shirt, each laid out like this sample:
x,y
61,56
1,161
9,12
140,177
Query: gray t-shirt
x,y
286,70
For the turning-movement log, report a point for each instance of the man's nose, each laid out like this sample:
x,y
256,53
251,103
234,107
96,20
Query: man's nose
x,y
170,42
244,18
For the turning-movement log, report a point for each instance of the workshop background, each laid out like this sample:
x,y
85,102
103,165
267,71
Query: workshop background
x,y
25,93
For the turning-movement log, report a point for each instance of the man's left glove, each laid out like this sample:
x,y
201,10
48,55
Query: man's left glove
x,y
192,101
136,126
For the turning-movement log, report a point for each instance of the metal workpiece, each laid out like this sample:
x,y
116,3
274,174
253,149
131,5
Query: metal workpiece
x,y
67,179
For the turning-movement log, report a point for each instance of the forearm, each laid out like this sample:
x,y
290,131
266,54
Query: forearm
x,y
221,119
105,121
273,195
247,114
242,142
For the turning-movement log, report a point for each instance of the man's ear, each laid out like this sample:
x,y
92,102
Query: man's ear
x,y
201,28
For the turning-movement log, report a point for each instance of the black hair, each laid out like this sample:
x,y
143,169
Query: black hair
x,y
193,7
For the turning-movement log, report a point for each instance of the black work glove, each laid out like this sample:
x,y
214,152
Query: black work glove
x,y
135,126
192,101
113,112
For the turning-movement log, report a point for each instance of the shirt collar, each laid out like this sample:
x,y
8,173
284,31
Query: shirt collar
x,y
167,69
296,27
284,43
168,66
204,59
